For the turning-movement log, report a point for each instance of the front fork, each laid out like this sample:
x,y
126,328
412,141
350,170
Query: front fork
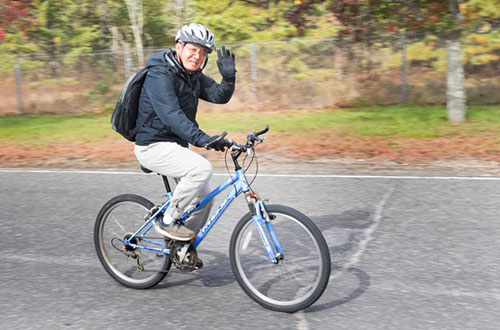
x,y
264,226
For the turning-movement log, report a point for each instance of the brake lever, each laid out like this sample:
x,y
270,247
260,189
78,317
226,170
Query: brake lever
x,y
230,142
237,147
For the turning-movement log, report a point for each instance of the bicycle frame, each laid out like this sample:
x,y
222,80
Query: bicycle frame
x,y
240,184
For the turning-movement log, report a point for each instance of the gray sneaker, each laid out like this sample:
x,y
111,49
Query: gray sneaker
x,y
174,231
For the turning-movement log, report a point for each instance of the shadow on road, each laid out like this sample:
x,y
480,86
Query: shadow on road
x,y
351,219
217,272
364,284
354,221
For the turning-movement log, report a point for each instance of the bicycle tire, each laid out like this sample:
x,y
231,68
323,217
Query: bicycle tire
x,y
133,209
249,261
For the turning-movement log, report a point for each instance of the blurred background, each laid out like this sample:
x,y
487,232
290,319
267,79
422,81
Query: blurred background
x,y
401,81
72,56
397,87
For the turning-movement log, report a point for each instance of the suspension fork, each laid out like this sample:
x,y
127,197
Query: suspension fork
x,y
264,226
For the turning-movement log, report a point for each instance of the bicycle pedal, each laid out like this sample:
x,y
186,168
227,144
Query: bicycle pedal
x,y
199,264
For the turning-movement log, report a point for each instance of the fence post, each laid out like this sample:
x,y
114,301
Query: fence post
x,y
19,90
128,63
338,67
404,66
253,70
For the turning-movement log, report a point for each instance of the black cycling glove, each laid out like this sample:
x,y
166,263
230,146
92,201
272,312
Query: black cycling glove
x,y
221,145
226,65
217,143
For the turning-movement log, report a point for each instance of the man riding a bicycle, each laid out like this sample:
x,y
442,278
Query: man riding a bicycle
x,y
171,90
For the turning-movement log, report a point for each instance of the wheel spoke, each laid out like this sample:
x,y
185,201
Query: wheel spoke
x,y
119,224
294,282
127,211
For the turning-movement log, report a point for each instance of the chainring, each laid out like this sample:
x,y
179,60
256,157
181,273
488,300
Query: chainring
x,y
190,262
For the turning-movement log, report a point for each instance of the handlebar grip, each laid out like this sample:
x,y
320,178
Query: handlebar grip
x,y
220,137
265,130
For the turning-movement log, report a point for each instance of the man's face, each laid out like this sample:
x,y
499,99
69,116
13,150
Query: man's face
x,y
192,56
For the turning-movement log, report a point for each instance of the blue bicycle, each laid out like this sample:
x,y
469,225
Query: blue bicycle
x,y
278,255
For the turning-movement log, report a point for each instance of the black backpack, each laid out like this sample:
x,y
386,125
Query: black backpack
x,y
126,111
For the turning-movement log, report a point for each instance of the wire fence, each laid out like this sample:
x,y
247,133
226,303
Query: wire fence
x,y
290,74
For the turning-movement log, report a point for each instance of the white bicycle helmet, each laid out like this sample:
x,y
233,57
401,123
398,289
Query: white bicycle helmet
x,y
196,34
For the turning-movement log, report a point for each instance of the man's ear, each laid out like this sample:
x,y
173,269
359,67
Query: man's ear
x,y
178,46
178,50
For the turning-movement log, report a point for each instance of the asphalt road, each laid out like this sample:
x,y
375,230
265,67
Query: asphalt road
x,y
407,253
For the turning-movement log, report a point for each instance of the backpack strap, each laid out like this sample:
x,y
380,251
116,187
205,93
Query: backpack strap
x,y
144,122
152,114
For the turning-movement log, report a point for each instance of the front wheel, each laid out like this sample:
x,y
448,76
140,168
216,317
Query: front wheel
x,y
132,267
296,281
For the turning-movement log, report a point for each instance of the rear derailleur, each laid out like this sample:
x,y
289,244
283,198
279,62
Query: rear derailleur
x,y
128,250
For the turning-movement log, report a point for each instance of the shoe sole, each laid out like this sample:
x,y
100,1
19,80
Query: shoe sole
x,y
176,238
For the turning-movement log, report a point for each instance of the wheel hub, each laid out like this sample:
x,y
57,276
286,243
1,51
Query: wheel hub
x,y
132,241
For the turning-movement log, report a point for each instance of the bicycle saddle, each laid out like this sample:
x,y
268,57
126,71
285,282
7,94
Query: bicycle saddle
x,y
145,170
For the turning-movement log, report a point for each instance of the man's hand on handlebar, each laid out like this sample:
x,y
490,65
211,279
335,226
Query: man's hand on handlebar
x,y
218,142
222,144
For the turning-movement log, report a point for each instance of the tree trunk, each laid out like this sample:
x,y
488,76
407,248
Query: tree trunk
x,y
455,95
404,69
455,90
136,19
182,14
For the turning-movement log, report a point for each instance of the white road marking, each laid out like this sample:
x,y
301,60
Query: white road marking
x,y
347,176
368,232
300,316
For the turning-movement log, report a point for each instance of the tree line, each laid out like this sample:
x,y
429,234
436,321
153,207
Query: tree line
x,y
65,29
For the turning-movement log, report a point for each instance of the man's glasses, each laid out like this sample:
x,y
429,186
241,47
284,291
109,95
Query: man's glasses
x,y
193,50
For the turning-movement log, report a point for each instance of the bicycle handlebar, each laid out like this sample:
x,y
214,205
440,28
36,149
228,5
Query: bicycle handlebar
x,y
265,130
251,139
237,149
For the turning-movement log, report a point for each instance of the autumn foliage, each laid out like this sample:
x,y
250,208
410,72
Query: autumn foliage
x,y
14,16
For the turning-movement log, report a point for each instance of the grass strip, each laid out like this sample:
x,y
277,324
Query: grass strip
x,y
393,121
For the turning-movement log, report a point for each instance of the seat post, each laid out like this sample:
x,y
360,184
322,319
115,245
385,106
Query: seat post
x,y
167,185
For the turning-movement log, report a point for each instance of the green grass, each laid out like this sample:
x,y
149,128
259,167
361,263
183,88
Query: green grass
x,y
46,129
395,121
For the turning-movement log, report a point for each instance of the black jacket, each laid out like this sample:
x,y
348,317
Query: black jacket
x,y
173,95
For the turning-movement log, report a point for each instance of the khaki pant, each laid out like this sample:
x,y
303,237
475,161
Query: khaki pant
x,y
191,171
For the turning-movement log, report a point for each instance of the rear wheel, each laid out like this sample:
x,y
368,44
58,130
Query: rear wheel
x,y
296,281
132,267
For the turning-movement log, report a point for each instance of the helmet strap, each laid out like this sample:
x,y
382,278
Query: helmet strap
x,y
179,55
204,64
